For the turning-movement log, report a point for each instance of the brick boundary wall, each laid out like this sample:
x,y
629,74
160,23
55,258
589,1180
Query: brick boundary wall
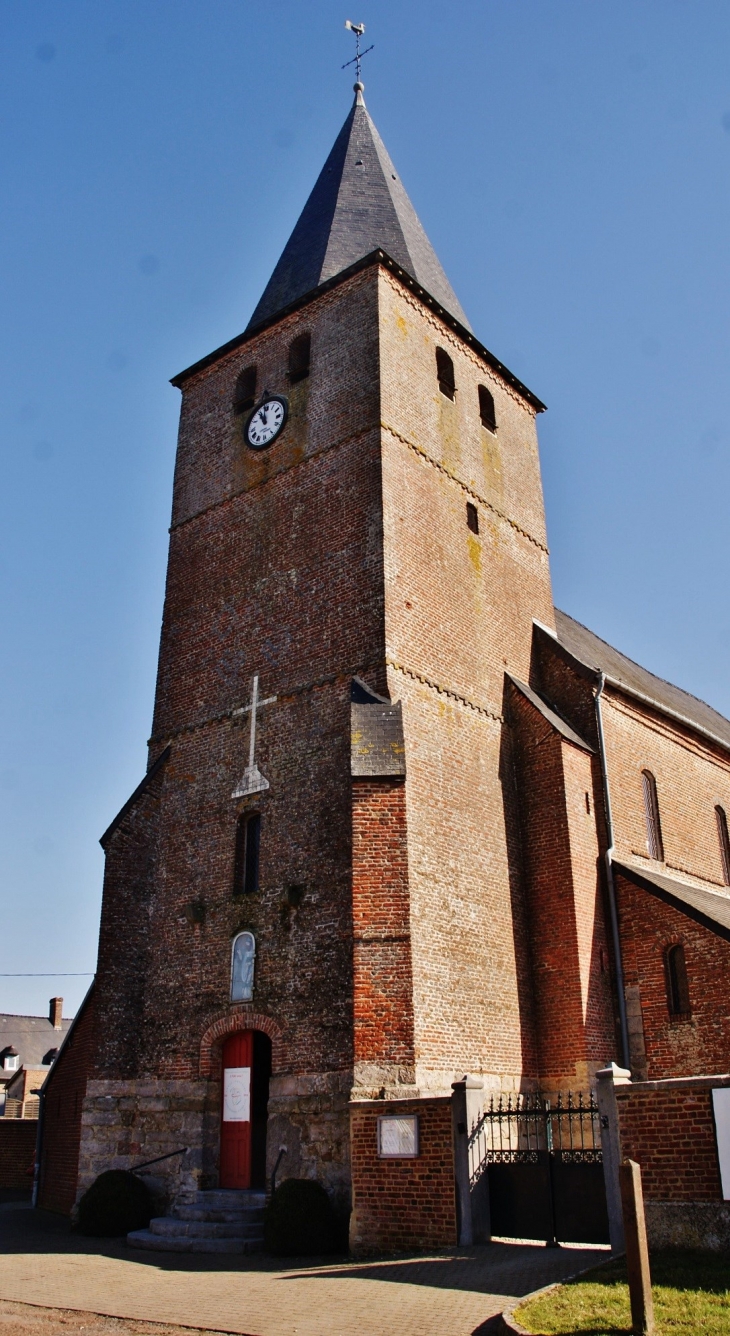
x,y
668,1127
17,1153
405,1204
63,1098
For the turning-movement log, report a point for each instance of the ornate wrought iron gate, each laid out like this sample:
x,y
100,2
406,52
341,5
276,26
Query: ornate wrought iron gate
x,y
541,1165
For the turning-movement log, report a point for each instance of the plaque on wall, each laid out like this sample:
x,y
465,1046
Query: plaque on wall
x,y
398,1137
236,1094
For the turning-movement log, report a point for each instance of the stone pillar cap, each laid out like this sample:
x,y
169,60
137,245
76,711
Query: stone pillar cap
x,y
619,1075
468,1083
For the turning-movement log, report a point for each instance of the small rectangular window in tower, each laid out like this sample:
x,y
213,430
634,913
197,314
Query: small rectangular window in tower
x,y
245,393
724,838
300,350
486,409
472,517
246,865
677,983
445,373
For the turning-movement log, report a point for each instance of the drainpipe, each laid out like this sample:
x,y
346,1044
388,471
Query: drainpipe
x,y
613,912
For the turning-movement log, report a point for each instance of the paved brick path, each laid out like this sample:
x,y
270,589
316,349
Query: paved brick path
x,y
450,1294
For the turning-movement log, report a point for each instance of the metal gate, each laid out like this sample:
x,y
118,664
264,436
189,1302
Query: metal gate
x,y
541,1165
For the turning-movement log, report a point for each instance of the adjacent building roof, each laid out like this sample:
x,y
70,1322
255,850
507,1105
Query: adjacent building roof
x,y
550,714
710,908
32,1036
358,205
620,671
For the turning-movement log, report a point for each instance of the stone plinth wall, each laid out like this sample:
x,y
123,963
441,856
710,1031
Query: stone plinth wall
x,y
17,1152
399,1204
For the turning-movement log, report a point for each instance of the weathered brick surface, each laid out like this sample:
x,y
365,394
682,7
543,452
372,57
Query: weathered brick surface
x,y
670,1132
408,1203
17,1152
63,1098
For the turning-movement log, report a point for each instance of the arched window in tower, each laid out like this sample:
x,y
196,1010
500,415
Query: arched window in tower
x,y
486,409
300,352
445,373
242,959
245,392
651,812
677,985
722,835
246,862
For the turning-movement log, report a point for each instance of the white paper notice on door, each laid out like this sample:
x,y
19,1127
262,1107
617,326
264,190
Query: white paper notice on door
x,y
236,1094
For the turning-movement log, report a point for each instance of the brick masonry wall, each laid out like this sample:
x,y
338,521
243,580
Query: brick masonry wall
x,y
17,1153
559,788
673,1046
458,614
409,1203
63,1098
382,975
670,1132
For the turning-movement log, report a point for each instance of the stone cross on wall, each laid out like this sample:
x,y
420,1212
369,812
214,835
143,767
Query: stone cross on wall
x,y
253,781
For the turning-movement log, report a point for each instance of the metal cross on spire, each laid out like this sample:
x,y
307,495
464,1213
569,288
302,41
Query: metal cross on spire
x,y
358,29
253,781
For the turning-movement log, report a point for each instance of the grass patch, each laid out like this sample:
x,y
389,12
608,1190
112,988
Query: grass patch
x,y
691,1294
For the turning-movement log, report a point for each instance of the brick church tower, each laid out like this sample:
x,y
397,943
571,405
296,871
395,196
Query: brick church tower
x,y
317,894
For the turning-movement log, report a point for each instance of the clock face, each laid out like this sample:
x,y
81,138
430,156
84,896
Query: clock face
x,y
266,422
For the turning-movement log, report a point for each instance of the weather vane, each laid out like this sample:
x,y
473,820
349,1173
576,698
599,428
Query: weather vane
x,y
358,29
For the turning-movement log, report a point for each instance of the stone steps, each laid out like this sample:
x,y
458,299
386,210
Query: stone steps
x,y
218,1221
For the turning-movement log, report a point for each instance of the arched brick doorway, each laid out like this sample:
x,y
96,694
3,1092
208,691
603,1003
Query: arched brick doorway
x,y
246,1070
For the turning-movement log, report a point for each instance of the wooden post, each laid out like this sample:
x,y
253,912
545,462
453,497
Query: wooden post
x,y
637,1251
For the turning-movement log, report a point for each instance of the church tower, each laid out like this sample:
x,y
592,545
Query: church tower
x,y
315,896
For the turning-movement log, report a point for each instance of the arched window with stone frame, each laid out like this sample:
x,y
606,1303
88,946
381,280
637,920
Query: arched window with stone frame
x,y
243,954
244,395
445,373
724,838
487,410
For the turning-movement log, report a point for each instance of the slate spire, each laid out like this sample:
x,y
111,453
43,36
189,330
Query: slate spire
x,y
358,205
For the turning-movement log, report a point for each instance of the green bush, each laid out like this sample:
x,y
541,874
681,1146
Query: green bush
x,y
114,1204
299,1221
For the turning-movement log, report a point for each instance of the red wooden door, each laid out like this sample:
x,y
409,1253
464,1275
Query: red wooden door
x,y
235,1169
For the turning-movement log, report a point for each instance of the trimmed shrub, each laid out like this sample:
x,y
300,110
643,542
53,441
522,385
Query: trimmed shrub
x,y
299,1220
116,1202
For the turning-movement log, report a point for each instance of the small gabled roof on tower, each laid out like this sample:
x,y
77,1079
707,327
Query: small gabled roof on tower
x,y
358,205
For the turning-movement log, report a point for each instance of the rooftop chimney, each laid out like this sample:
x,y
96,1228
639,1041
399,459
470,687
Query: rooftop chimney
x,y
55,1012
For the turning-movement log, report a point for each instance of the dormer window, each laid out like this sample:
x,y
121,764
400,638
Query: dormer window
x,y
244,397
11,1060
445,373
486,409
49,1057
300,351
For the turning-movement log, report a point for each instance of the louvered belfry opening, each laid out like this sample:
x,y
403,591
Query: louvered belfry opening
x,y
445,373
245,392
651,812
486,408
300,351
677,983
724,838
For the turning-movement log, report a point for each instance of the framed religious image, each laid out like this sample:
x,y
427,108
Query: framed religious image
x,y
398,1137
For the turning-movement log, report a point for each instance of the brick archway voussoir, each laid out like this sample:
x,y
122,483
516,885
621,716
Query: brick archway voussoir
x,y
240,1018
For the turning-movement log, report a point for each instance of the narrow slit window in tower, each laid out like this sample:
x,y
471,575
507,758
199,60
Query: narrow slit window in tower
x,y
246,866
445,373
472,517
677,985
300,350
245,395
724,838
651,812
486,409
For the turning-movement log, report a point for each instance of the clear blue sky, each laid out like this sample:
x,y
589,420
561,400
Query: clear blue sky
x,y
571,164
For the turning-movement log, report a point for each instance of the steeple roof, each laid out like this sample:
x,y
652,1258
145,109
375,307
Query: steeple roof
x,y
357,206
